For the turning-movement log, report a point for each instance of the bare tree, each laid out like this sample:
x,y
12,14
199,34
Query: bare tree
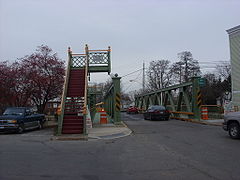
x,y
185,68
224,69
159,75
224,73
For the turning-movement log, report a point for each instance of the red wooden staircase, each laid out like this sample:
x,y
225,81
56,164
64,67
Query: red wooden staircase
x,y
74,103
74,97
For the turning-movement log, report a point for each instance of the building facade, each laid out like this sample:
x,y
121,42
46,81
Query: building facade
x,y
52,106
234,41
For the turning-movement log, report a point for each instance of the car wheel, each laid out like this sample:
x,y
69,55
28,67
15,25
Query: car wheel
x,y
40,125
144,117
20,128
150,117
234,130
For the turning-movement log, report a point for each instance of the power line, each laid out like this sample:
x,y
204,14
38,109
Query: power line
x,y
132,83
132,72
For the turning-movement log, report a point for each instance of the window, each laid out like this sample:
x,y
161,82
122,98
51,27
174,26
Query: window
x,y
55,105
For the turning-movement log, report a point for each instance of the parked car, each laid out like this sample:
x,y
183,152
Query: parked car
x,y
132,110
156,112
19,119
232,124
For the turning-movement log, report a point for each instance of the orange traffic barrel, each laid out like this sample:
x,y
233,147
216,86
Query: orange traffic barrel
x,y
204,113
103,117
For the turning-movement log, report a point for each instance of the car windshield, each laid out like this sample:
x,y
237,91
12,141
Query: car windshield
x,y
14,111
157,108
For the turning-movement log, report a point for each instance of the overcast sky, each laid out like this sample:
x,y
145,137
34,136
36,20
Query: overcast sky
x,y
136,30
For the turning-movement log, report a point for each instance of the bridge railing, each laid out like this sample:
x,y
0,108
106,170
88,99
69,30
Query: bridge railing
x,y
183,100
98,60
112,100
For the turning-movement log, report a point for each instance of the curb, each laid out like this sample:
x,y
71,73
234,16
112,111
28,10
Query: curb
x,y
49,126
124,133
69,138
204,123
113,136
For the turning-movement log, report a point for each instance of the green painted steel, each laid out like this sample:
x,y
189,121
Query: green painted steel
x,y
112,100
98,60
93,92
181,100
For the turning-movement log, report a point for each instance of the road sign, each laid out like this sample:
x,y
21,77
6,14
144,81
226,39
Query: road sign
x,y
202,82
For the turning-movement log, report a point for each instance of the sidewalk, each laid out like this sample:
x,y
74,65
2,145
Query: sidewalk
x,y
108,131
216,122
101,131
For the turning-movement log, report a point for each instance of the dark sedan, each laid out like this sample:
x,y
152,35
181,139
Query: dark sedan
x,y
156,113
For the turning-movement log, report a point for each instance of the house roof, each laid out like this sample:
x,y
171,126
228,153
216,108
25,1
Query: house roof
x,y
233,30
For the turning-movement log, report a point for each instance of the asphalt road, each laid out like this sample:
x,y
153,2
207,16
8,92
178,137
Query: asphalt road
x,y
156,150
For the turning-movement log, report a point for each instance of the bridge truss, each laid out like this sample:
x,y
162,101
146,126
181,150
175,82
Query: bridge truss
x,y
183,100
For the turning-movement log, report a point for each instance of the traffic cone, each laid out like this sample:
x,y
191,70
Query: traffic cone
x,y
103,117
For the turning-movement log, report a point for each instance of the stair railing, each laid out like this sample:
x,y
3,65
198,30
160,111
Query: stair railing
x,y
65,86
85,90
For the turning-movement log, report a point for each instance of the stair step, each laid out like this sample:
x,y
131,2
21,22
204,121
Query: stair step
x,y
75,89
73,117
76,86
72,131
72,120
74,127
75,93
72,113
77,71
72,123
77,83
80,90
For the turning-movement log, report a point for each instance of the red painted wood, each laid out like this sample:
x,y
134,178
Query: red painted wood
x,y
72,123
72,131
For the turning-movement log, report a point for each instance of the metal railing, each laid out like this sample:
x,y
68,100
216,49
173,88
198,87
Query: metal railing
x,y
112,100
183,100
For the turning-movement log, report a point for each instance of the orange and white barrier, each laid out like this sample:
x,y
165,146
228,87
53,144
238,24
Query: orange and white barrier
x,y
103,117
204,113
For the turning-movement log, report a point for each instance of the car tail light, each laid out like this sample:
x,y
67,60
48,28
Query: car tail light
x,y
166,111
156,111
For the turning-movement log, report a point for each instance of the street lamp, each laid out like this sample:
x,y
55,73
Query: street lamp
x,y
132,80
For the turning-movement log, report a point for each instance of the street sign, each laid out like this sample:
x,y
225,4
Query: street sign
x,y
202,82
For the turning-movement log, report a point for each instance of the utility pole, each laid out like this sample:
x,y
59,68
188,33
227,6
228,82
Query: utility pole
x,y
143,79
